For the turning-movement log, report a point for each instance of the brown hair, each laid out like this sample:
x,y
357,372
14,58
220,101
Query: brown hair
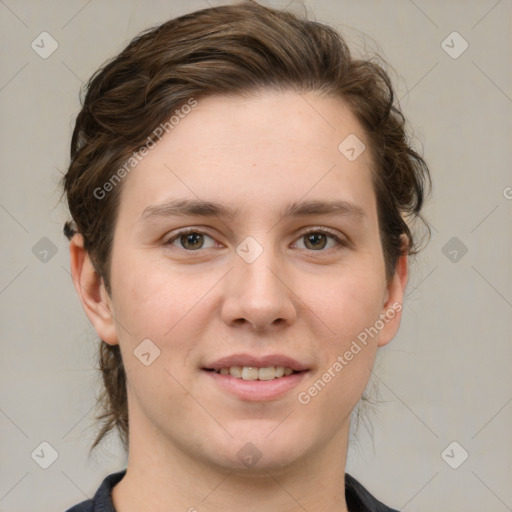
x,y
225,50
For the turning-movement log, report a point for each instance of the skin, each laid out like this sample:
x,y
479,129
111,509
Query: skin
x,y
256,154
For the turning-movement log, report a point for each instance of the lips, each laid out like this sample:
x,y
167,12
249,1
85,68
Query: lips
x,y
253,378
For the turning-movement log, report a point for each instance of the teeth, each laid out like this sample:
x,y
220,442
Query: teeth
x,y
268,373
249,373
252,373
236,371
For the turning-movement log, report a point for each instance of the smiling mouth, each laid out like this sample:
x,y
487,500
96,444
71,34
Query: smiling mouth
x,y
255,373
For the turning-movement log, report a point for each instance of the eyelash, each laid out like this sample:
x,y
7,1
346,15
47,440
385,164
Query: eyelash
x,y
340,242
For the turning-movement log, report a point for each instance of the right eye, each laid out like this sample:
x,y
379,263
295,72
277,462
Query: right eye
x,y
190,240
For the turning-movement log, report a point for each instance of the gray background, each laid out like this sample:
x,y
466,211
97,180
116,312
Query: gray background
x,y
446,377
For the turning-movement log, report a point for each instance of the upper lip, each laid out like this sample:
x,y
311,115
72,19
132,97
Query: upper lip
x,y
257,362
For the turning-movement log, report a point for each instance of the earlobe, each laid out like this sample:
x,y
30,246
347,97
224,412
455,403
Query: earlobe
x,y
91,291
392,310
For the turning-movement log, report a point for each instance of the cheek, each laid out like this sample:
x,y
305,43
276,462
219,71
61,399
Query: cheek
x,y
172,308
350,303
152,305
350,308
149,301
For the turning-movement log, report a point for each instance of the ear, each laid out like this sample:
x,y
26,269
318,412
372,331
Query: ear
x,y
392,308
91,290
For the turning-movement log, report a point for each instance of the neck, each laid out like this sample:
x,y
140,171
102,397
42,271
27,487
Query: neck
x,y
168,479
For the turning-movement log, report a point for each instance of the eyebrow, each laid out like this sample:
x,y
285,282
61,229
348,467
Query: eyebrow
x,y
197,207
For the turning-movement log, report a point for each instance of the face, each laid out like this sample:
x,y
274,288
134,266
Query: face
x,y
247,244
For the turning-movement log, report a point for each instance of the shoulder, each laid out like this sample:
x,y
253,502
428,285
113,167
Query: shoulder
x,y
102,501
360,500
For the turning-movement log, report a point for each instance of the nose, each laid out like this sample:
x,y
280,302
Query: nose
x,y
258,294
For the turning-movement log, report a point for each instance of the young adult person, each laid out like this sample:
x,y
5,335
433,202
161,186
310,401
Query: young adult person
x,y
241,191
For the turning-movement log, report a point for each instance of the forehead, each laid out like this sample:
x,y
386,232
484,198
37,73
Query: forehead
x,y
259,150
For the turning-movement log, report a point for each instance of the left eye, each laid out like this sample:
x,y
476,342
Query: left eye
x,y
318,240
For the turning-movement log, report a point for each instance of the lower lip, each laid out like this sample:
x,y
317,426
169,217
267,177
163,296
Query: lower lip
x,y
257,390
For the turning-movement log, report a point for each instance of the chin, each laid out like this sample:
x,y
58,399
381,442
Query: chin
x,y
262,448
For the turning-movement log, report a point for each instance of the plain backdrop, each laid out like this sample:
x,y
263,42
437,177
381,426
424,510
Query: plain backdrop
x,y
444,385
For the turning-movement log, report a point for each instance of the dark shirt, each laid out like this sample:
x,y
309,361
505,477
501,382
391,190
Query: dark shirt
x,y
357,497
